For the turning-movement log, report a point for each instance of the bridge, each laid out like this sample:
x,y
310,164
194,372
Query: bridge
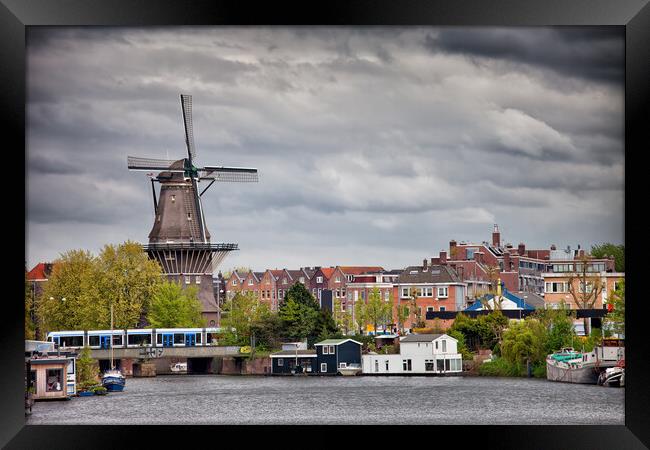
x,y
207,359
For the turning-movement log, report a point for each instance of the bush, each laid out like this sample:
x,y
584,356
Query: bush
x,y
539,371
501,368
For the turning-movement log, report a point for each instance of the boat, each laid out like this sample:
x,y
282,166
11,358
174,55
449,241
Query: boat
x,y
350,370
178,367
113,379
571,366
613,376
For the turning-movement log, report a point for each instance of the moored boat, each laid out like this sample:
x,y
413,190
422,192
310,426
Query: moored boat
x,y
350,370
572,366
113,380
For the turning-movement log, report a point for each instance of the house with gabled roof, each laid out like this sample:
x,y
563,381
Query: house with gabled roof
x,y
234,284
431,288
335,354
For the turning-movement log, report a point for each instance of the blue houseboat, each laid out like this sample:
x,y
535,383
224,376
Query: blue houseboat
x,y
335,354
286,361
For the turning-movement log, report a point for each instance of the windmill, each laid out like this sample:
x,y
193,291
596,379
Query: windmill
x,y
179,239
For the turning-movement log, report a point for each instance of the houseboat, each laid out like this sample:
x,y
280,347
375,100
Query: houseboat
x,y
572,366
420,354
335,355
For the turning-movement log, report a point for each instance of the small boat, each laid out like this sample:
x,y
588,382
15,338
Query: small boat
x,y
613,376
350,370
113,380
178,367
571,366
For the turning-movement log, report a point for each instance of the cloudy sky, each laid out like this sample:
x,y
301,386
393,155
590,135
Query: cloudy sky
x,y
375,146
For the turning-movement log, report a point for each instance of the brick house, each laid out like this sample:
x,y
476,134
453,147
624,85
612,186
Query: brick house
x,y
436,288
37,279
234,284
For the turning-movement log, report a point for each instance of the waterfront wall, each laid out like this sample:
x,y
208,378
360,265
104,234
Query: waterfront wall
x,y
241,366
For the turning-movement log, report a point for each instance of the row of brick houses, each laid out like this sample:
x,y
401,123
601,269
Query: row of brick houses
x,y
452,281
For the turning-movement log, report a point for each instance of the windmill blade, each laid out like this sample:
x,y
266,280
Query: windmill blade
x,y
135,163
229,174
186,103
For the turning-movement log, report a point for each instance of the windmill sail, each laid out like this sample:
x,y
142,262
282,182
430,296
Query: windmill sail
x,y
148,164
186,102
229,174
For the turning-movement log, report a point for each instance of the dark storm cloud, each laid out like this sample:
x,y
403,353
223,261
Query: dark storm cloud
x,y
371,148
594,53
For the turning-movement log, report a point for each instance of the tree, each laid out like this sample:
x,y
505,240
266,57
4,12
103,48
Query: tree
x,y
585,287
175,307
343,317
82,288
377,310
493,291
559,326
128,282
417,312
300,314
360,312
616,316
29,310
403,314
241,314
606,250
87,369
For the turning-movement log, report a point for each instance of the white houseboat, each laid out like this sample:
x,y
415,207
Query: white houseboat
x,y
421,354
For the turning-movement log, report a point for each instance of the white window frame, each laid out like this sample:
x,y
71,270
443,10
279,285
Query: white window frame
x,y
188,279
280,362
234,282
343,365
319,279
337,280
323,367
332,350
284,281
325,350
405,292
444,290
197,279
250,282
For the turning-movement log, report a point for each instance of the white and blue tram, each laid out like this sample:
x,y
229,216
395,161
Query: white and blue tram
x,y
136,337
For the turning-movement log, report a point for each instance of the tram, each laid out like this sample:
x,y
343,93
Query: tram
x,y
136,337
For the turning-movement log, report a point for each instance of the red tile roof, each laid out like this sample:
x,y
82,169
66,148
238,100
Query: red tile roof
x,y
328,271
358,270
40,272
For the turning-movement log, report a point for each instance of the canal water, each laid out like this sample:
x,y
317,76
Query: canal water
x,y
220,399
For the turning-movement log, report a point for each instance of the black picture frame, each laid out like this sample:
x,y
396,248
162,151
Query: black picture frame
x,y
634,15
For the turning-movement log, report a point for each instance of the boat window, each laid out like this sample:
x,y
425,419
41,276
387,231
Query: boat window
x,y
54,380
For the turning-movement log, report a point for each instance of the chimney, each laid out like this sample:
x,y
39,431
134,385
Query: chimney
x,y
461,272
506,262
443,258
496,236
424,264
452,249
521,249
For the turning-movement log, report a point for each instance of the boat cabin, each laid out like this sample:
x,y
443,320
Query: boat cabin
x,y
335,354
52,377
285,361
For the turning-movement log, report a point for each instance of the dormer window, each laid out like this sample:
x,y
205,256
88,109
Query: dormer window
x,y
284,281
250,282
319,279
302,280
338,279
234,282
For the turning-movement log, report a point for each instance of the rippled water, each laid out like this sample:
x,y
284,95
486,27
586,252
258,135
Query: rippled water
x,y
219,399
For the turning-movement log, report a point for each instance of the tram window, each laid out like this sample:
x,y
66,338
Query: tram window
x,y
211,338
179,338
117,340
93,341
198,338
72,341
159,339
138,339
54,380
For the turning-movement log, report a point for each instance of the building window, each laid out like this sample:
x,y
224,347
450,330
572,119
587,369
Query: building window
x,y
387,295
589,287
198,280
280,362
337,280
554,287
376,366
323,367
442,308
319,292
331,349
284,281
443,292
405,292
234,282
428,365
54,380
187,279
319,279
250,282
444,346
343,365
430,309
302,280
325,350
386,365
406,365
428,292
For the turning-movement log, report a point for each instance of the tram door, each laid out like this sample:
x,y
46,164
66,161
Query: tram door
x,y
105,341
190,340
168,340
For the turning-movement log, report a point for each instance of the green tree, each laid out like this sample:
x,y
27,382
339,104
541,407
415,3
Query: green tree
x,y
559,327
377,310
87,369
343,317
616,317
300,314
415,309
403,314
326,325
175,307
361,315
240,315
128,281
29,310
606,250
